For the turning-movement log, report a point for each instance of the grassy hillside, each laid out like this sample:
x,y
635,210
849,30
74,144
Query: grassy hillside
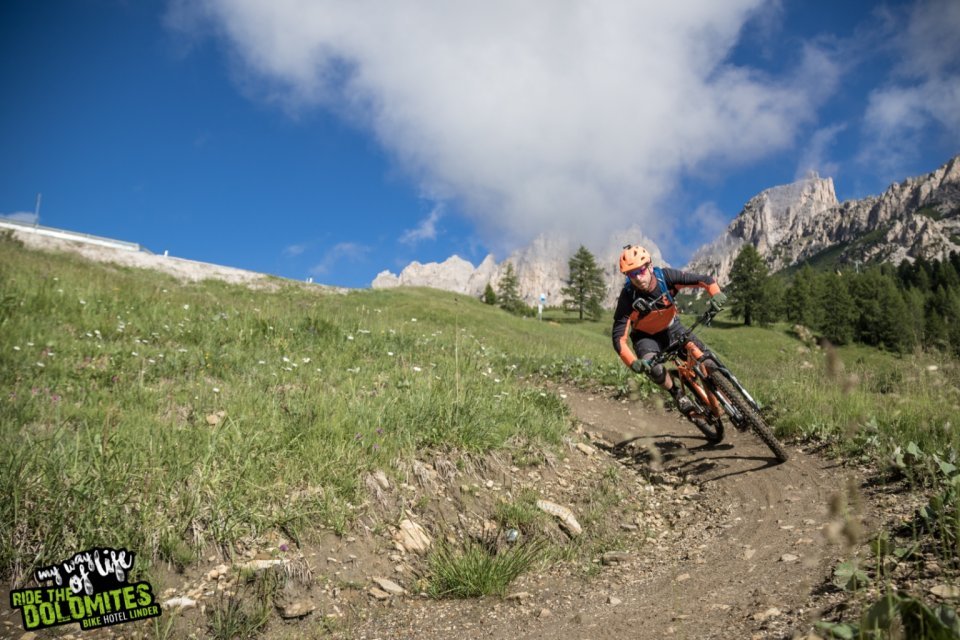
x,y
141,412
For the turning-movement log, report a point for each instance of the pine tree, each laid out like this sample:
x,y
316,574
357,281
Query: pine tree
x,y
747,278
881,310
839,312
489,296
585,288
913,325
509,292
801,297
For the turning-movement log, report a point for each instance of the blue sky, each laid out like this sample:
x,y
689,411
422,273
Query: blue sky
x,y
334,140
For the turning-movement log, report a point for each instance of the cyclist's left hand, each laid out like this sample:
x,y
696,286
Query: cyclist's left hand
x,y
640,366
718,301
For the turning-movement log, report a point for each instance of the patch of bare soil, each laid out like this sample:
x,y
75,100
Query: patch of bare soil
x,y
730,545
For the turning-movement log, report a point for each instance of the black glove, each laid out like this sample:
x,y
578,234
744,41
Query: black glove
x,y
718,301
640,366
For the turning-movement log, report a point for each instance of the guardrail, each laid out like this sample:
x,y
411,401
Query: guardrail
x,y
70,235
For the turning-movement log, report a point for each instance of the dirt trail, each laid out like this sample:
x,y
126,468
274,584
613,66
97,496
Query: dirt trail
x,y
747,547
766,548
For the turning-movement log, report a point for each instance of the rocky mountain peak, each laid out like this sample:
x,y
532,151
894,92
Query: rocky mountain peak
x,y
798,222
541,268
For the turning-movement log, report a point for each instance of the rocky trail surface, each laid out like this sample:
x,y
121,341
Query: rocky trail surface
x,y
746,546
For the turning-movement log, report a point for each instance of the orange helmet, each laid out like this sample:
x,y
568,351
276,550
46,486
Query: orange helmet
x,y
633,258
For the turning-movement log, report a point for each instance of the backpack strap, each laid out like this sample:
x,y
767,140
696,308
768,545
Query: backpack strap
x,y
662,281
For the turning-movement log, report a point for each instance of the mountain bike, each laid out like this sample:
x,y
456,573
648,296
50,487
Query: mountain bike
x,y
714,390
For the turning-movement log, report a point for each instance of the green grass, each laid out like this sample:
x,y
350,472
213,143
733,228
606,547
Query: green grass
x,y
140,412
479,568
165,417
866,400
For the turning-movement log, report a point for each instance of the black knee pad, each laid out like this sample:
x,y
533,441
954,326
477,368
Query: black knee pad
x,y
658,373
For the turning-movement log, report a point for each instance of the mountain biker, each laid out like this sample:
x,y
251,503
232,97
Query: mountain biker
x,y
646,316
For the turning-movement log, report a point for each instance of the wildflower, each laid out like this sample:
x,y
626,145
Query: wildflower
x,y
41,365
151,361
284,547
83,301
134,353
417,369
54,398
413,319
349,337
389,353
286,359
306,360
16,348
186,307
216,390
261,362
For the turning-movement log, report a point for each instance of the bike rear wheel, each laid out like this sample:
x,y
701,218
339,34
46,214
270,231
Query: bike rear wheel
x,y
750,415
708,424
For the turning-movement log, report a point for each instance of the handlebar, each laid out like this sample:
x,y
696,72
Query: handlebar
x,y
705,319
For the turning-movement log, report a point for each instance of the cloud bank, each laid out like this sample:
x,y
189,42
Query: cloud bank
x,y
339,253
578,116
923,91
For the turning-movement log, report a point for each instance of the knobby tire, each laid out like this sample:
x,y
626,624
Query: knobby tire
x,y
756,422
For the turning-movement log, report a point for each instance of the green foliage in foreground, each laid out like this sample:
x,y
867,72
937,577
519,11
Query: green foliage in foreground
x,y
864,401
140,412
479,569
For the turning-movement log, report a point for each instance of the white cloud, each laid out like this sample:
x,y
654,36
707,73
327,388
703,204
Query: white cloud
x,y
28,217
294,250
923,90
813,157
426,230
570,116
342,252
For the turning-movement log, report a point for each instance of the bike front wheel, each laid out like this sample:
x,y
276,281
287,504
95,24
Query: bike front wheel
x,y
750,415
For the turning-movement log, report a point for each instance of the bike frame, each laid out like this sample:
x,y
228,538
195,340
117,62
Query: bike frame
x,y
690,362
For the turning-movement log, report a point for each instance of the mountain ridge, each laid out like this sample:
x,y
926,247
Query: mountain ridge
x,y
787,224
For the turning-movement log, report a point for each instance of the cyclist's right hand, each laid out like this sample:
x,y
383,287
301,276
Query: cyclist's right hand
x,y
640,366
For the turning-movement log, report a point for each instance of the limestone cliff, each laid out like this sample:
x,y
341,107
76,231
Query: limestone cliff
x,y
541,269
803,221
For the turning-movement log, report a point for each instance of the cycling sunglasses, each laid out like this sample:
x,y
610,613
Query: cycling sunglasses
x,y
639,271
